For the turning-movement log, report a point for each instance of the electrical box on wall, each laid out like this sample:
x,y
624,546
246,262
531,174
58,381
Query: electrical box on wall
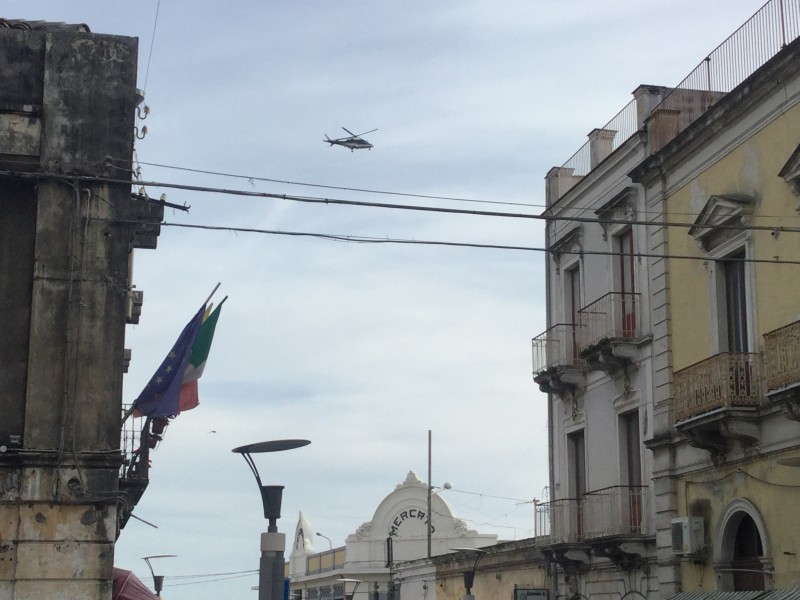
x,y
688,535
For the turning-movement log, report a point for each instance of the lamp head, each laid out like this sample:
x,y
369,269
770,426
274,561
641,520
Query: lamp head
x,y
271,495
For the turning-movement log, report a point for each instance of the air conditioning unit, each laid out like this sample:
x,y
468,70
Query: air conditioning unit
x,y
688,535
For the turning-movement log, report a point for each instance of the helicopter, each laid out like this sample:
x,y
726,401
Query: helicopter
x,y
354,142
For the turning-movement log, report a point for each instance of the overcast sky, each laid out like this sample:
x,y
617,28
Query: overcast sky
x,y
361,348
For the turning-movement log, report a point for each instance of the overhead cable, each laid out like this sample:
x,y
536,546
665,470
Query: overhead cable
x,y
317,200
375,240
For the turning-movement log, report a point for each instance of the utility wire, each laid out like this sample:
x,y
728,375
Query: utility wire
x,y
211,580
152,42
374,240
248,572
253,178
317,200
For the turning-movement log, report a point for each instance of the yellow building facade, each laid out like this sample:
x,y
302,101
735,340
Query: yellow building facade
x,y
724,262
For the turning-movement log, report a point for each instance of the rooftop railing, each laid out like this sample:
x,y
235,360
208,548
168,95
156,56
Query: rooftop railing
x,y
726,380
759,39
624,123
782,356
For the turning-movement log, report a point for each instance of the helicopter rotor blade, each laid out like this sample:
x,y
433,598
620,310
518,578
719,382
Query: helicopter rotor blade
x,y
366,132
350,132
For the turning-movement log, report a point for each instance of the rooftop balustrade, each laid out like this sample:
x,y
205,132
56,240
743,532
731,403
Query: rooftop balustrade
x,y
759,39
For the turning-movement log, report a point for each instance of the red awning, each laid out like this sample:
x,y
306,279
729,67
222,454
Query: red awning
x,y
128,586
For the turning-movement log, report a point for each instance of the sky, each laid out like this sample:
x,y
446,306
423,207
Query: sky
x,y
361,348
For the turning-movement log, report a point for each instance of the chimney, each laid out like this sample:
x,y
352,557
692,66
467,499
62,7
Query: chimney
x,y
601,144
558,182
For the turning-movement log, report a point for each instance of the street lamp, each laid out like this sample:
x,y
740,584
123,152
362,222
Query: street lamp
x,y
271,567
345,581
469,576
158,580
330,544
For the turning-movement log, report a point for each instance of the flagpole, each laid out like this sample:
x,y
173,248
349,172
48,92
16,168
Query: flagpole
x,y
212,293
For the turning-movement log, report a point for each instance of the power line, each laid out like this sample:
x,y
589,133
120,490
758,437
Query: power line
x,y
375,240
152,42
248,572
318,200
211,580
253,178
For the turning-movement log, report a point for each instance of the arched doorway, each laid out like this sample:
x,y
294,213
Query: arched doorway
x,y
741,549
748,571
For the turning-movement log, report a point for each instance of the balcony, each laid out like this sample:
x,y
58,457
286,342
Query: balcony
x,y
614,511
556,360
613,316
559,522
610,331
726,380
782,356
715,400
782,368
607,523
608,512
558,346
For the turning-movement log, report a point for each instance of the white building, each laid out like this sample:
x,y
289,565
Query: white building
x,y
397,532
594,360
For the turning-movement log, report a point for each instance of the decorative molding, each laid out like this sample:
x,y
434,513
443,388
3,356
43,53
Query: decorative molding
x,y
571,242
791,173
620,208
710,229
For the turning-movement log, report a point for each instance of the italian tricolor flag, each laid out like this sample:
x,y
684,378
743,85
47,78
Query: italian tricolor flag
x,y
197,359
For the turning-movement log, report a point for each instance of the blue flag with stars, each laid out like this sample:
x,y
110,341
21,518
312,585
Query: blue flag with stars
x,y
160,396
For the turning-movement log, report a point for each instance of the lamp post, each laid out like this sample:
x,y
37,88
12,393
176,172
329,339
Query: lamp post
x,y
271,566
330,544
469,576
158,580
346,580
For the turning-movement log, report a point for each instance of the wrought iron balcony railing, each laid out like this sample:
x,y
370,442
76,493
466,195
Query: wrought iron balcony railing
x,y
726,380
613,316
615,510
559,521
556,347
782,356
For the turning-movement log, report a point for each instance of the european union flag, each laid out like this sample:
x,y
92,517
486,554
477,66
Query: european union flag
x,y
160,396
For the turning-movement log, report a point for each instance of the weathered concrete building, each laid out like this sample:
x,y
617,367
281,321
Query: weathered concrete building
x,y
67,106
